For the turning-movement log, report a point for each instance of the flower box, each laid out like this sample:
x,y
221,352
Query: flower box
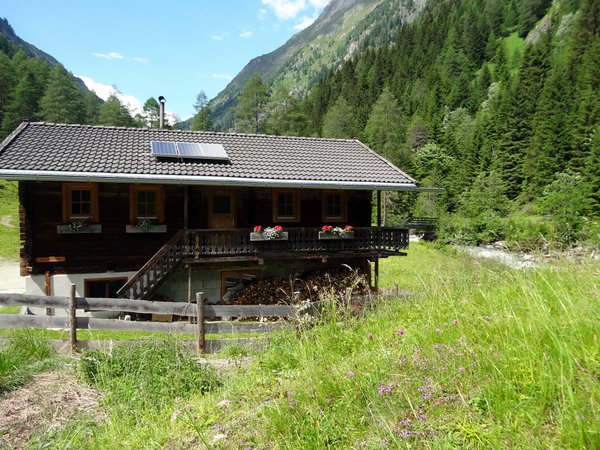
x,y
68,229
330,235
254,236
150,229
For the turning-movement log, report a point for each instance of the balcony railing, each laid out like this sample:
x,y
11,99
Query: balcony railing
x,y
207,245
236,242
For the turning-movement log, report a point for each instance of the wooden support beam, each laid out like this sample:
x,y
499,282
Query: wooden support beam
x,y
200,322
378,208
73,319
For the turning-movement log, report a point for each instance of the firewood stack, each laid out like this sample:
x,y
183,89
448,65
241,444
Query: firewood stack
x,y
312,286
271,291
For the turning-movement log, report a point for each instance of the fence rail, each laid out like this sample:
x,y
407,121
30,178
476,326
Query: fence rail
x,y
186,310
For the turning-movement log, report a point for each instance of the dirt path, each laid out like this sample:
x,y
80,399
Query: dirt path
x,y
42,406
10,280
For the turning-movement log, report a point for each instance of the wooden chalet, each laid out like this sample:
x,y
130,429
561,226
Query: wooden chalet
x,y
144,212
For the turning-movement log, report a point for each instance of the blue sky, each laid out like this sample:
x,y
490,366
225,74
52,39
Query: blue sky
x,y
151,48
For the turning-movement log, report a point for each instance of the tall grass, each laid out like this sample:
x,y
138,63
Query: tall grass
x,y
480,356
9,220
21,356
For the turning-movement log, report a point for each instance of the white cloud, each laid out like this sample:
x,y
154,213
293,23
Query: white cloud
x,y
222,76
141,60
262,14
304,23
285,9
109,55
245,34
218,37
131,102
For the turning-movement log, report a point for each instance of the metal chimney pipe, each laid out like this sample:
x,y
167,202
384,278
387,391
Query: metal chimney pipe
x,y
161,100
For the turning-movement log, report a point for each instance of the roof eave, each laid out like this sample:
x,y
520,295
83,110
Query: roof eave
x,y
40,175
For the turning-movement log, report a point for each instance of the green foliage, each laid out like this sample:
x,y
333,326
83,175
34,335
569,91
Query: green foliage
x,y
24,355
9,227
251,109
63,100
146,375
113,112
567,200
338,122
202,120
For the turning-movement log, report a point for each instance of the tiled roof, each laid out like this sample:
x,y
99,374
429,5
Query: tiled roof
x,y
57,151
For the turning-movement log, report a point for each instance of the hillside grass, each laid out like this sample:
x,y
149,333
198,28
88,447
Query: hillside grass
x,y
9,220
481,356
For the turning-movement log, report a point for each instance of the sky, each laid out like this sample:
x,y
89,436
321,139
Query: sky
x,y
149,48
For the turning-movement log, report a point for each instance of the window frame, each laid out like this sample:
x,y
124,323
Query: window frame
x,y
343,217
296,205
67,190
158,189
87,281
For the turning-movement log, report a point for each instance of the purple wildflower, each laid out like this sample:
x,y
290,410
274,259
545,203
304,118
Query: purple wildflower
x,y
400,332
350,373
384,390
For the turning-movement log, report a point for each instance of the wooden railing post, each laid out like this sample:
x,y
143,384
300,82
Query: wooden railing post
x,y
73,319
200,321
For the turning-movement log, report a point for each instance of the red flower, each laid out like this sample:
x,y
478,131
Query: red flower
x,y
348,228
278,228
326,228
258,229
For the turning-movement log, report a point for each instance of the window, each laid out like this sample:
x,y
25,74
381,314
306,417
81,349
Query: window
x,y
221,204
335,206
146,202
104,287
80,201
286,205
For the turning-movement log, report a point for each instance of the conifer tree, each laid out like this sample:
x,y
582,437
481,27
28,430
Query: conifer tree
x,y
251,110
113,112
63,100
338,122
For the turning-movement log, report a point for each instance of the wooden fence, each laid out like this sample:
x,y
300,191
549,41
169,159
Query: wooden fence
x,y
72,323
184,310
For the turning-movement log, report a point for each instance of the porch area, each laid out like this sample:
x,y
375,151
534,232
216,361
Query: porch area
x,y
203,246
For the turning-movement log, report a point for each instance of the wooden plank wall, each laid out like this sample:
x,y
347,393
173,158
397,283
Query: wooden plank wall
x,y
115,250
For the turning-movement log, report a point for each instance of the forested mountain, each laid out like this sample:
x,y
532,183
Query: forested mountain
x,y
497,101
344,28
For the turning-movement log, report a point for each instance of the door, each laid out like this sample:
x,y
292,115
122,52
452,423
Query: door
x,y
221,211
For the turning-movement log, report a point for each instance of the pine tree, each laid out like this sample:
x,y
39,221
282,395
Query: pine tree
x,y
202,120
386,127
251,110
151,116
113,112
63,100
338,122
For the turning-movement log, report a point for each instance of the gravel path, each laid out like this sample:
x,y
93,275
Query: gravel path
x,y
10,280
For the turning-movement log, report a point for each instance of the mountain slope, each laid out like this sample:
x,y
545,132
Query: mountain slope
x,y
343,28
7,32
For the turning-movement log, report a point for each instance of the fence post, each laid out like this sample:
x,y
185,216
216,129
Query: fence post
x,y
73,319
200,321
348,296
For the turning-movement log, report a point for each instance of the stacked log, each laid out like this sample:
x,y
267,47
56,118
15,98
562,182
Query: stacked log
x,y
312,285
270,291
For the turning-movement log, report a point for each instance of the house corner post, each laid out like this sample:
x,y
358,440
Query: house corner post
x,y
73,319
200,322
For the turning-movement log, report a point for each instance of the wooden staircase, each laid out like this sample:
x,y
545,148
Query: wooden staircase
x,y
148,279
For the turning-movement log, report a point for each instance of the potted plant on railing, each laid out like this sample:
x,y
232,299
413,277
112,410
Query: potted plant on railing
x,y
275,233
331,232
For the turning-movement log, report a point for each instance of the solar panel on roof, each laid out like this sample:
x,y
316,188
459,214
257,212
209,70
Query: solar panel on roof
x,y
164,148
192,150
189,149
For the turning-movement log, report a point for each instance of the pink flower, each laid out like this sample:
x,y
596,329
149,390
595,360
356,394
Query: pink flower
x,y
370,336
400,332
350,373
348,228
258,229
278,228
326,228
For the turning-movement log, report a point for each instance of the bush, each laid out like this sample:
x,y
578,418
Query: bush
x,y
482,229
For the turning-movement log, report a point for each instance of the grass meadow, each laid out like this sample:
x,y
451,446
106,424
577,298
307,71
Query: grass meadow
x,y
480,356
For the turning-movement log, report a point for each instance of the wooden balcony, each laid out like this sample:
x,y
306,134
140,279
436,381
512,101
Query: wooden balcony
x,y
209,245
206,246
